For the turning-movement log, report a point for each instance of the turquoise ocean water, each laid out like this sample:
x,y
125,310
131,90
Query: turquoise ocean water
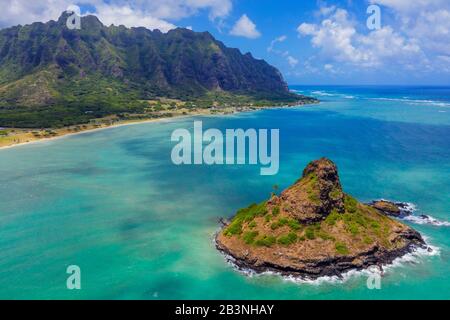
x,y
113,203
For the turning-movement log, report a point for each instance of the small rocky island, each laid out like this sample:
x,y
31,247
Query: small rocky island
x,y
314,229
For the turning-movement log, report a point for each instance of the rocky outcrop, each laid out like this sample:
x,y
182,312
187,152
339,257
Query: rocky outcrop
x,y
394,209
387,207
317,193
314,229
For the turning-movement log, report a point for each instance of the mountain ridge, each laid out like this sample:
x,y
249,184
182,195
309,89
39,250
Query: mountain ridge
x,y
114,69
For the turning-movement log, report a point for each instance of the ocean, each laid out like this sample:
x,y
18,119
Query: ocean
x,y
139,227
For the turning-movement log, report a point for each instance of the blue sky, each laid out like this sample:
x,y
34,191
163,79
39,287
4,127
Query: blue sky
x,y
310,41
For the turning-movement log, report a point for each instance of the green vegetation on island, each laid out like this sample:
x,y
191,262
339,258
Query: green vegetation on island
x,y
313,229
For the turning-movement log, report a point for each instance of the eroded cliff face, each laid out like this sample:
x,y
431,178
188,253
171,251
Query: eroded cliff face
x,y
314,197
314,229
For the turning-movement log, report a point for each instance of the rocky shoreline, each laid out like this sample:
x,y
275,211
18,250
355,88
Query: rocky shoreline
x,y
405,211
393,209
327,267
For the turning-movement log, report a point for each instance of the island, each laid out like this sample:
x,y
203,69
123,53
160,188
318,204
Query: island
x,y
314,229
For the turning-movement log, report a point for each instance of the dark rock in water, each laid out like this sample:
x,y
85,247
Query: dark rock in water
x,y
224,222
405,211
394,209
425,219
314,229
387,207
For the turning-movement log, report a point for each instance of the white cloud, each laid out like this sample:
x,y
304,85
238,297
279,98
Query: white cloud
x,y
338,40
292,61
324,10
25,12
408,5
427,21
147,13
177,9
131,18
245,27
275,41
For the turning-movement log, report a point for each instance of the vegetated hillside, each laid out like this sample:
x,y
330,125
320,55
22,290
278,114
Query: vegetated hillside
x,y
51,75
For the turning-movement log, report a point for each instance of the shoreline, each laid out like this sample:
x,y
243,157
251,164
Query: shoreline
x,y
385,260
64,135
415,253
65,131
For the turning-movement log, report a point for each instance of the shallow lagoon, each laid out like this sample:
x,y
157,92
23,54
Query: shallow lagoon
x,y
139,227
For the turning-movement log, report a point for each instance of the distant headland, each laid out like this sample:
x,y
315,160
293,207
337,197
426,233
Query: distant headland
x,y
99,76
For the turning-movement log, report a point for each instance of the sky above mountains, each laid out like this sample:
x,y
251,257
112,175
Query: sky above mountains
x,y
311,42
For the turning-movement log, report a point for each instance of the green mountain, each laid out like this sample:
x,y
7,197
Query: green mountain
x,y
53,76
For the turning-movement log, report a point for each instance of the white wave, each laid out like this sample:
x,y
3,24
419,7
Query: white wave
x,y
431,103
328,94
414,257
426,219
323,93
415,101
408,209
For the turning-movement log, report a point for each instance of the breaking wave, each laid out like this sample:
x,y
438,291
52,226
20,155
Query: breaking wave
x,y
409,209
416,101
425,219
414,257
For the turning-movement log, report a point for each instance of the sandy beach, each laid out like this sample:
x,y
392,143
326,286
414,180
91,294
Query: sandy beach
x,y
22,136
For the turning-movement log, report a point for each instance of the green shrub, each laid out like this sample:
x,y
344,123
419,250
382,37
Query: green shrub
x,y
352,227
234,228
294,225
309,233
335,193
276,211
324,236
249,237
350,204
368,240
333,217
288,239
341,248
314,198
245,215
252,225
275,225
375,225
266,241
